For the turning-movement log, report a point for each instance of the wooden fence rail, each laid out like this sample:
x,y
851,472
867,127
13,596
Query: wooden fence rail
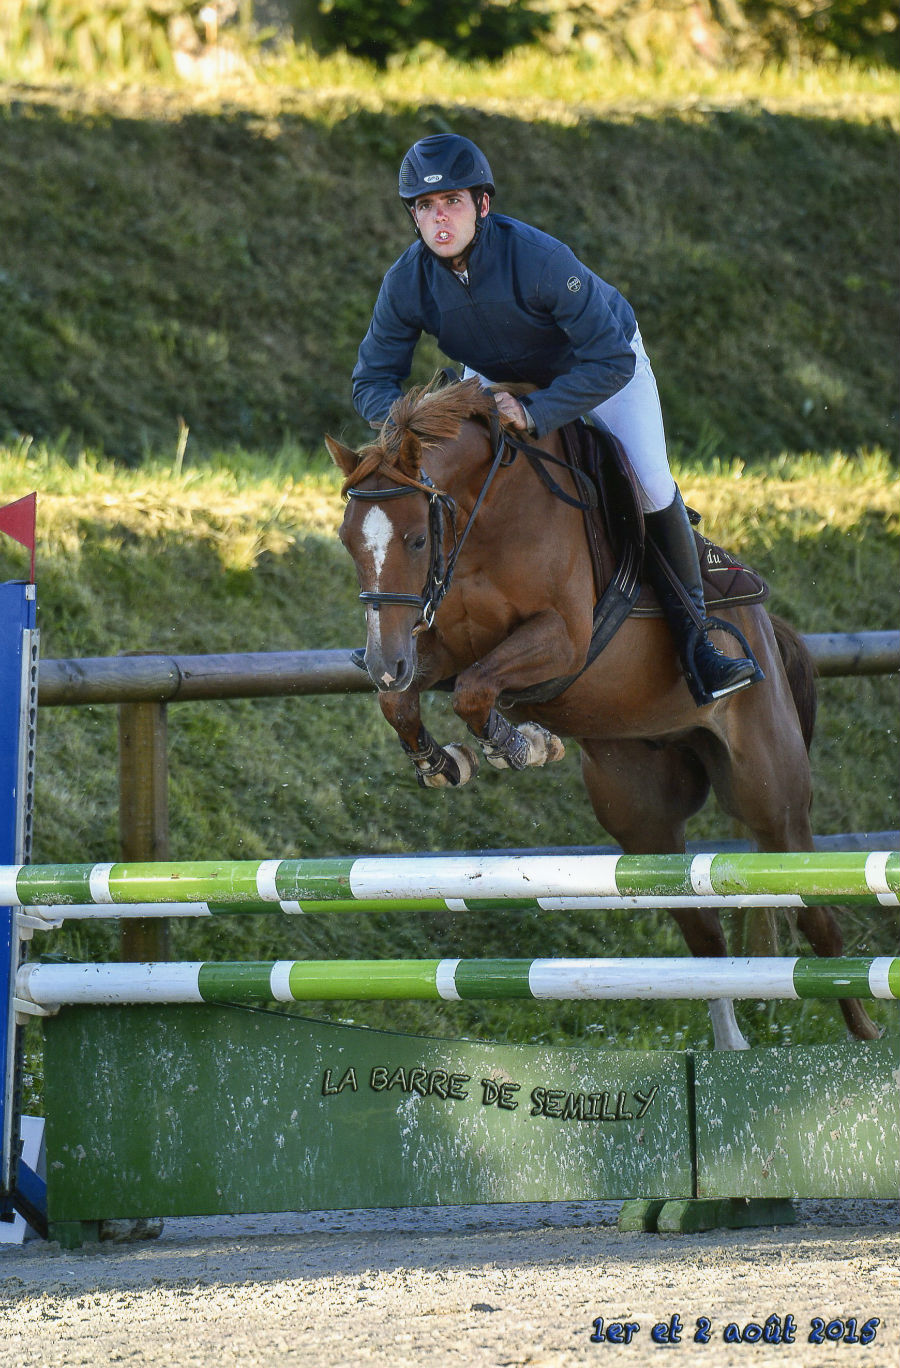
x,y
268,674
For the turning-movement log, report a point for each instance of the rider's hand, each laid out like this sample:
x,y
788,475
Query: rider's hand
x,y
510,408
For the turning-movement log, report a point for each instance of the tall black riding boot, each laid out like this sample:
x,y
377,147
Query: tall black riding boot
x,y
710,674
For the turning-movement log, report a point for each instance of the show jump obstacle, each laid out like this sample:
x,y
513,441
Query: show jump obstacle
x,y
164,1097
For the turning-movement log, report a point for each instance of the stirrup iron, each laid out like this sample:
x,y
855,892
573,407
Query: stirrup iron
x,y
701,694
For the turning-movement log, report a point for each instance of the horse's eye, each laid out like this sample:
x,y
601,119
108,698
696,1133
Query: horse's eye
x,y
418,543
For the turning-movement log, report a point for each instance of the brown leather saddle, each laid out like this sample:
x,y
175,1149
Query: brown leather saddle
x,y
618,518
614,527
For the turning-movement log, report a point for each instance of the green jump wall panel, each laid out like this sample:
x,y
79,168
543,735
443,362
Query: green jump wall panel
x,y
808,1121
192,1110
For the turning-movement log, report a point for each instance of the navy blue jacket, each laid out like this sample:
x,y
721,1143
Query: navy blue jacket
x,y
530,312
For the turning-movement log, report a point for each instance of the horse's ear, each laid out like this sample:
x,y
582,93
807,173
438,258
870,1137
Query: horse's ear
x,y
409,457
344,457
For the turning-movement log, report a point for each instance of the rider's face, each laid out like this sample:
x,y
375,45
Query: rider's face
x,y
446,220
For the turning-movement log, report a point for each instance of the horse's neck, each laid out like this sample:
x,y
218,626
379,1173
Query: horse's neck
x,y
524,551
461,467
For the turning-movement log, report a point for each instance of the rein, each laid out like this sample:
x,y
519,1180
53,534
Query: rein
x,y
537,459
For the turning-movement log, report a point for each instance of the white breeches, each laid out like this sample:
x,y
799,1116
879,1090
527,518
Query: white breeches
x,y
634,415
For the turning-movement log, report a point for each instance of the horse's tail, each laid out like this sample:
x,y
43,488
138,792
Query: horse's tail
x,y
801,674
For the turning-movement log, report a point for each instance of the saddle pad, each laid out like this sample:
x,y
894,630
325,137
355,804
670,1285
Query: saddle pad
x,y
726,582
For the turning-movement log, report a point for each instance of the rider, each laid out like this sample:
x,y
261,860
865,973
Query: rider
x,y
513,304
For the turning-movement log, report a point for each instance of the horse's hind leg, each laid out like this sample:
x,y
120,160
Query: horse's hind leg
x,y
822,929
762,777
643,795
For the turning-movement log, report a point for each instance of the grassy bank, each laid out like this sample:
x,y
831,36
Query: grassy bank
x,y
214,257
240,557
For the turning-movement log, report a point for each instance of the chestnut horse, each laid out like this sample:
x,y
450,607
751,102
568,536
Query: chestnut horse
x,y
515,609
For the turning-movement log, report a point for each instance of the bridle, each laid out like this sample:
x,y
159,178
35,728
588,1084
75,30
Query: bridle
x,y
441,514
442,511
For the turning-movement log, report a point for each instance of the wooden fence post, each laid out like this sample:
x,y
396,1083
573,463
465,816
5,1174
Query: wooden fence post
x,y
144,814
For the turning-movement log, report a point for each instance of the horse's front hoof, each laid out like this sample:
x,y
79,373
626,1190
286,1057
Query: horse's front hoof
x,y
543,746
463,767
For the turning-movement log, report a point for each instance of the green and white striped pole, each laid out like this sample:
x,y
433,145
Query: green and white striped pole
x,y
50,986
463,882
49,918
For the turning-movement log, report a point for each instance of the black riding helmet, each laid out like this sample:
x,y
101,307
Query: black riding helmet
x,y
445,161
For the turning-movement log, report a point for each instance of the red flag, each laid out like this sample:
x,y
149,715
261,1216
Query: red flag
x,y
19,521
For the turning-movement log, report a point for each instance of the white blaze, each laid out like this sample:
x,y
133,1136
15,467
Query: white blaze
x,y
377,532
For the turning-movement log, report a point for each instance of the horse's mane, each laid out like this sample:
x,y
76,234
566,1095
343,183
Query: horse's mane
x,y
428,416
